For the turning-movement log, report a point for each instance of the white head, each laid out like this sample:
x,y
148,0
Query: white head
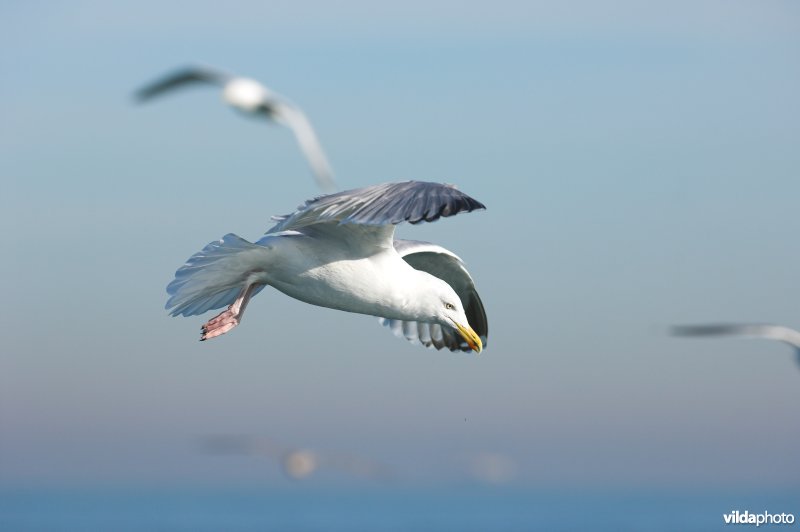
x,y
245,94
441,305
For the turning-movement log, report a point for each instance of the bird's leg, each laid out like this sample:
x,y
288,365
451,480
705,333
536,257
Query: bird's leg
x,y
230,318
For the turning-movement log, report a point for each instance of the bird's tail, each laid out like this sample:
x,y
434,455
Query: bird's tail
x,y
214,277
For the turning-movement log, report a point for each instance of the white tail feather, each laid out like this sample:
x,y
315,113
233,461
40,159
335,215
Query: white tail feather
x,y
214,277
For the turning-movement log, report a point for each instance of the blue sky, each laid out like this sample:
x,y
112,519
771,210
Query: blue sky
x,y
639,165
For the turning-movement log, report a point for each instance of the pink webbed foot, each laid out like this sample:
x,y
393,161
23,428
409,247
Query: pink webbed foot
x,y
228,319
220,324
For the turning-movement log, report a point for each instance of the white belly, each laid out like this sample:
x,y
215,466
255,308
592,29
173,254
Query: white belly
x,y
336,277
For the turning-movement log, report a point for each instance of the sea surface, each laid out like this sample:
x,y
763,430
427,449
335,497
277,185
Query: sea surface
x,y
389,509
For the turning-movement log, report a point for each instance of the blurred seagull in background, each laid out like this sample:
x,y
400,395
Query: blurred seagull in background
x,y
338,251
296,463
252,97
745,330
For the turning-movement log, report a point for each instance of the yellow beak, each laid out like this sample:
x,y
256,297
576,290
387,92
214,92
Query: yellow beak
x,y
472,339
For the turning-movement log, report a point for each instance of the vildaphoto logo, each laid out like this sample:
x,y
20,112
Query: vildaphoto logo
x,y
746,518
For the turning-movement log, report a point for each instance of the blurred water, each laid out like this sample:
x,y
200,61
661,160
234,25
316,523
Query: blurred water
x,y
298,508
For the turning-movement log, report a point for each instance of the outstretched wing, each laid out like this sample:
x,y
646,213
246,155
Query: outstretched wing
x,y
447,266
378,205
297,121
748,330
179,78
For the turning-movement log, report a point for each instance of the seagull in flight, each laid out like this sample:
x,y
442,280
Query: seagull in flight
x,y
252,97
744,330
339,251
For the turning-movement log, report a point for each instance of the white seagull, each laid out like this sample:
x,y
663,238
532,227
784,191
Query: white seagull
x,y
339,251
744,330
252,97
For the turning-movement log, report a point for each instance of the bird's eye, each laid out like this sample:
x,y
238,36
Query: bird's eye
x,y
449,306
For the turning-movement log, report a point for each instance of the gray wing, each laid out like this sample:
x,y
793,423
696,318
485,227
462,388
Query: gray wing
x,y
749,330
293,118
179,78
378,205
447,266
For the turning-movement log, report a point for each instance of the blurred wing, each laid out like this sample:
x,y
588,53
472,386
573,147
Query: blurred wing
x,y
447,266
179,78
770,332
385,204
306,137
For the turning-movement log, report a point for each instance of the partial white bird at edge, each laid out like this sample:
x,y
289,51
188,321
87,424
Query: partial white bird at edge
x,y
778,333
